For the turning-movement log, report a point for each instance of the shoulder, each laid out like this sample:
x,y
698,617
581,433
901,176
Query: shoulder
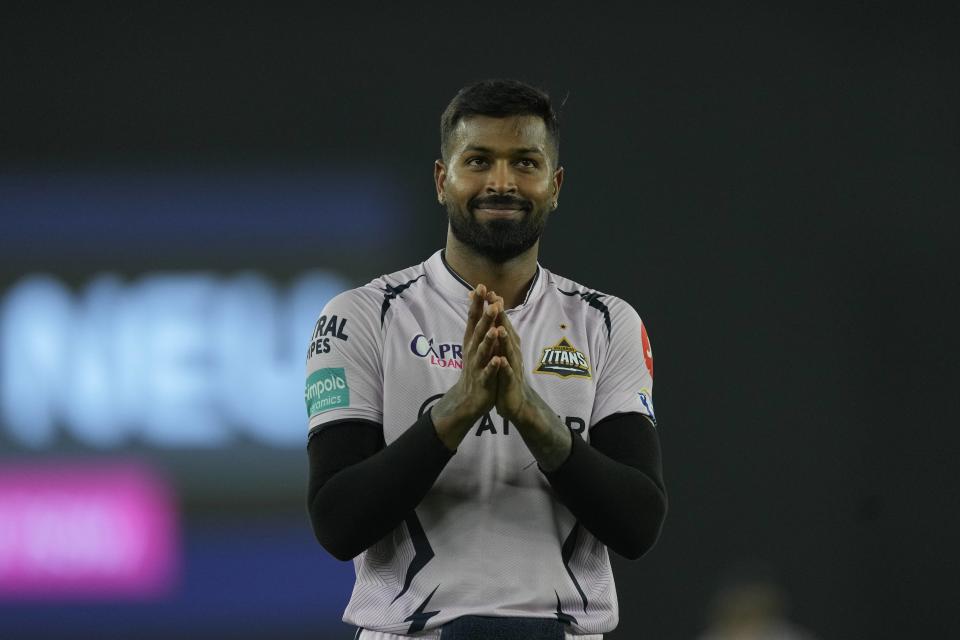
x,y
368,304
604,308
399,280
370,296
358,299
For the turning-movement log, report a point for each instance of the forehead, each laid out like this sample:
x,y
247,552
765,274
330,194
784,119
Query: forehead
x,y
501,134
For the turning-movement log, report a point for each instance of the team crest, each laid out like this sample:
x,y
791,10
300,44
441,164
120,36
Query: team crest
x,y
564,360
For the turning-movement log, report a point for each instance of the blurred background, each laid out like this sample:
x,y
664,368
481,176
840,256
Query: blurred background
x,y
775,189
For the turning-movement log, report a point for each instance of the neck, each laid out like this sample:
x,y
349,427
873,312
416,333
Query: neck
x,y
510,280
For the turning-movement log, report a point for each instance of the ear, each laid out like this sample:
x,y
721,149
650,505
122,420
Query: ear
x,y
557,183
439,177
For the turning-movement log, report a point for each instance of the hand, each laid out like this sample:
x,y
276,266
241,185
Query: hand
x,y
548,439
475,392
478,382
513,395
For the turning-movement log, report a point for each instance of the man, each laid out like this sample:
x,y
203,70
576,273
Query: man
x,y
477,482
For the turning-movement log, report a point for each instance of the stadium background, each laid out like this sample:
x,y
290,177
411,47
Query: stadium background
x,y
774,189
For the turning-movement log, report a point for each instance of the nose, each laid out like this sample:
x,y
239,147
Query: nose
x,y
500,178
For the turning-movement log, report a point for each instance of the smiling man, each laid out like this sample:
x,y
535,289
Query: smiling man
x,y
481,430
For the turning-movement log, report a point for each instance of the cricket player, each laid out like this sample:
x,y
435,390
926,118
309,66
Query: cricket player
x,y
481,429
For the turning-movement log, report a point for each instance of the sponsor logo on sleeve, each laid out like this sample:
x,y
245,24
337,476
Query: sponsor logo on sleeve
x,y
326,389
326,329
564,360
444,355
647,352
646,399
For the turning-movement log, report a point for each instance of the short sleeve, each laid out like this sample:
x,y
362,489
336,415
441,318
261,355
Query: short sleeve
x,y
344,377
625,383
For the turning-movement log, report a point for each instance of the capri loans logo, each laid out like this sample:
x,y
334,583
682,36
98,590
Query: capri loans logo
x,y
326,389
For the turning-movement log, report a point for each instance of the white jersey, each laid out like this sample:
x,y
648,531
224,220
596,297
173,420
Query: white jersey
x,y
490,538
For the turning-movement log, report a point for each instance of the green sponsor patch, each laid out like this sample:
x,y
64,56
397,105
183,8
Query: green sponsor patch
x,y
326,389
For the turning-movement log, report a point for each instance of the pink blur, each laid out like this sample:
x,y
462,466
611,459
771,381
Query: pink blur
x,y
86,530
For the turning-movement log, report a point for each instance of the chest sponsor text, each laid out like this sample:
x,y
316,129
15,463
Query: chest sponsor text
x,y
444,355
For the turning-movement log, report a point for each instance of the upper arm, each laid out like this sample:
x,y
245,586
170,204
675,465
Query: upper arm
x,y
631,439
625,382
340,445
344,371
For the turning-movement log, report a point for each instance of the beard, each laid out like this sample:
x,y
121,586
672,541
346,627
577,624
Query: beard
x,y
497,240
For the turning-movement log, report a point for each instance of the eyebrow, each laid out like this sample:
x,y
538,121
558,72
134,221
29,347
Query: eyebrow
x,y
516,151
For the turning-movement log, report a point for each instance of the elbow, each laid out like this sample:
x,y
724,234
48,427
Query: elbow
x,y
336,544
640,544
644,536
341,550
336,541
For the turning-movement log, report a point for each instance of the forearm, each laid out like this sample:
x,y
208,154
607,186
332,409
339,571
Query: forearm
x,y
357,505
453,417
622,503
547,438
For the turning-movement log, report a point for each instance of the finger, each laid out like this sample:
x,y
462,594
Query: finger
x,y
510,347
487,347
503,320
486,321
493,299
490,370
474,313
506,369
510,343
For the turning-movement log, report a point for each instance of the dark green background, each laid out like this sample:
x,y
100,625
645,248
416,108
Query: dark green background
x,y
774,189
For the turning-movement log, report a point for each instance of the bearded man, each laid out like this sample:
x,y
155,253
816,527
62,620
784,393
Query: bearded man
x,y
481,430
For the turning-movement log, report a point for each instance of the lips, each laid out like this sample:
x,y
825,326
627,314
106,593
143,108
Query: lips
x,y
500,209
498,212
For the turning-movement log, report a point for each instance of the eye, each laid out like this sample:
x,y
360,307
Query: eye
x,y
527,163
476,161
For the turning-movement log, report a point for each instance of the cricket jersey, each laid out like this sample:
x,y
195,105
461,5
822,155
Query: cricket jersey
x,y
490,538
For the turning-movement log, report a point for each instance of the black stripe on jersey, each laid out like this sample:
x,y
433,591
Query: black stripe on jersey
x,y
422,552
567,553
418,619
592,298
533,283
321,427
391,292
443,257
562,615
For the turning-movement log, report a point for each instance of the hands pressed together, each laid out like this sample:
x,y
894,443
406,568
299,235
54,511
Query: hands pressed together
x,y
493,376
492,364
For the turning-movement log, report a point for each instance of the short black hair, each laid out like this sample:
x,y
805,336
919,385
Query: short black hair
x,y
500,98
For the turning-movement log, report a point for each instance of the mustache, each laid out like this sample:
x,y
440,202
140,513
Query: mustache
x,y
499,202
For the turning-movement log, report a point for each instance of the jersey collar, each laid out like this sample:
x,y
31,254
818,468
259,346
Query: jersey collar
x,y
450,282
